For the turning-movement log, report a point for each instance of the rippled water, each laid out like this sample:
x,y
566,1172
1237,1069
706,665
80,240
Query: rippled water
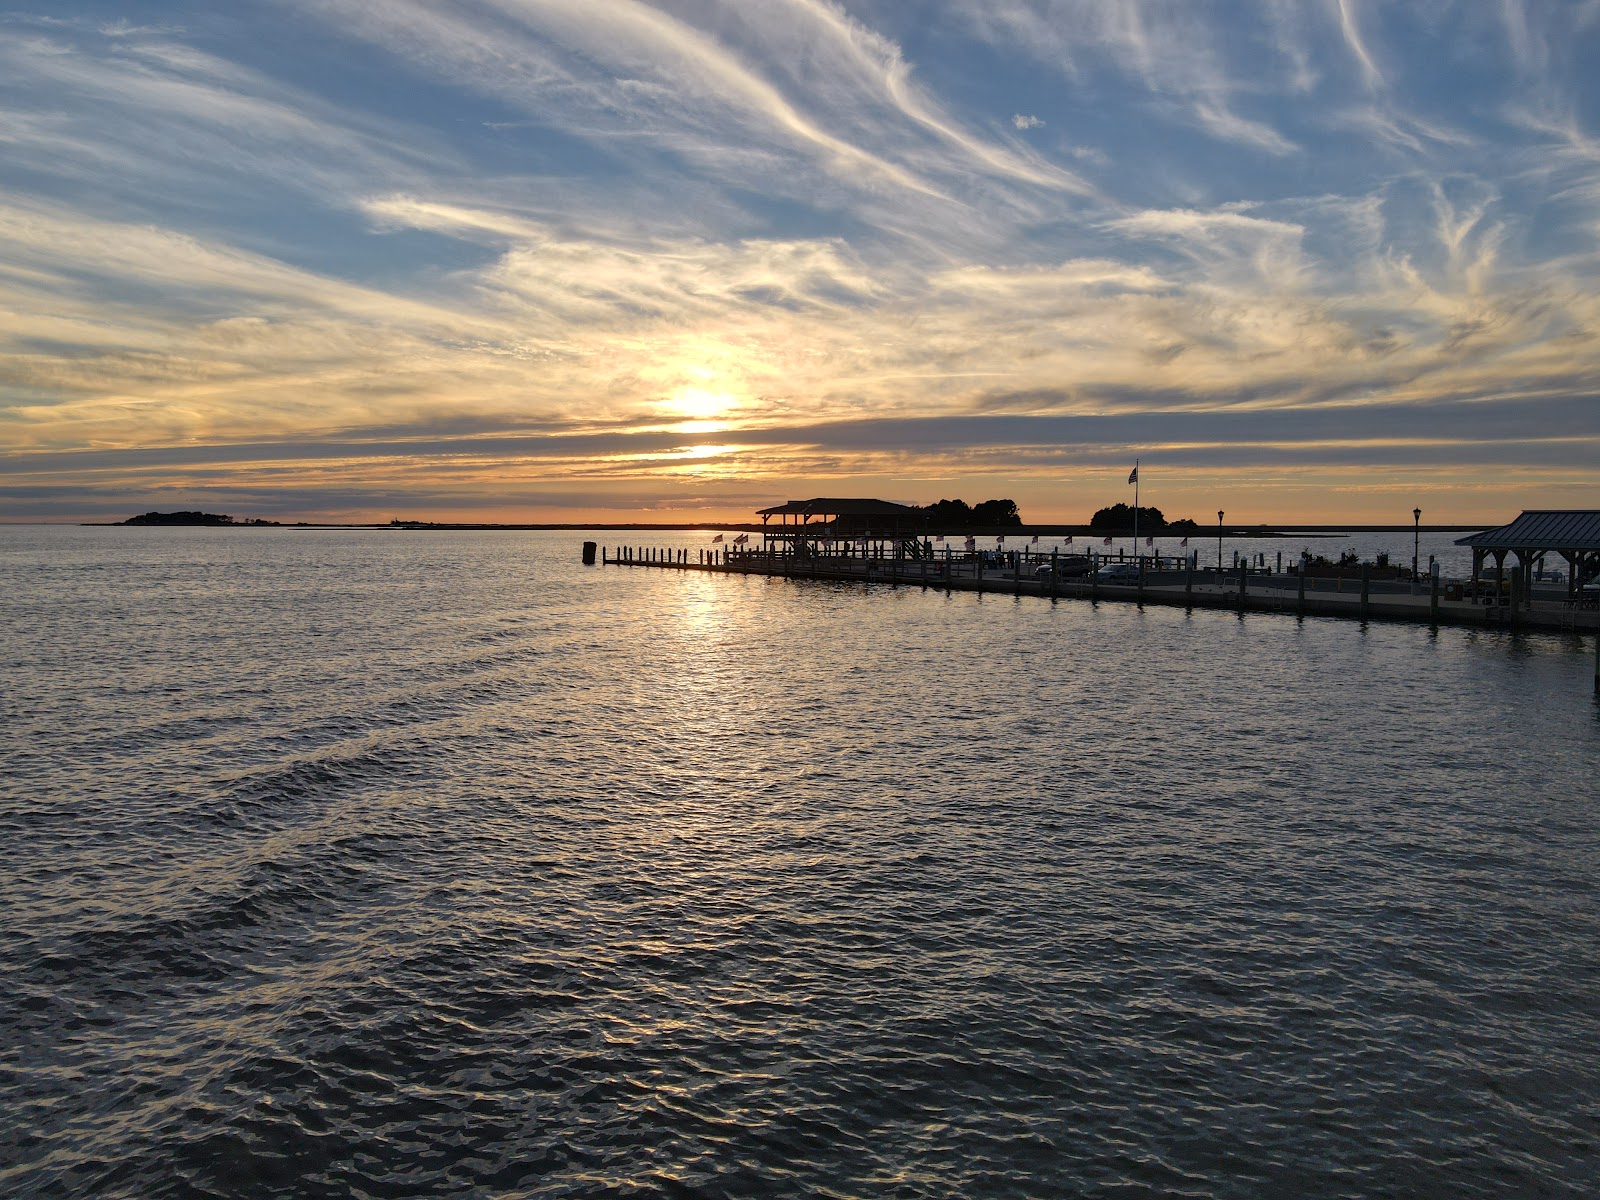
x,y
423,864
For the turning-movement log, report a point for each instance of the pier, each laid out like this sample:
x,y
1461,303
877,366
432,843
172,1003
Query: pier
x,y
1355,594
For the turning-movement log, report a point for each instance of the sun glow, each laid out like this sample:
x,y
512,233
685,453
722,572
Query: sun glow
x,y
701,404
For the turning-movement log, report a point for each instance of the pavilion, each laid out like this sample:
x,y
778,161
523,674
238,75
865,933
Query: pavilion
x,y
801,524
1574,534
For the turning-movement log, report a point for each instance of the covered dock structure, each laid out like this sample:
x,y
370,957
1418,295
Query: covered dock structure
x,y
1573,534
805,529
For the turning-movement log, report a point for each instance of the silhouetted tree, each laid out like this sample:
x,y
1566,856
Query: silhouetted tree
x,y
956,514
1119,519
949,514
996,513
180,518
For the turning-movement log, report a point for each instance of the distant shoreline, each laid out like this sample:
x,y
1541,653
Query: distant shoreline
x,y
1233,531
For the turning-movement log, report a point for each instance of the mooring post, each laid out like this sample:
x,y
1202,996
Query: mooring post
x,y
1366,586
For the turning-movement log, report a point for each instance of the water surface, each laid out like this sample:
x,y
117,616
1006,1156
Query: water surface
x,y
398,864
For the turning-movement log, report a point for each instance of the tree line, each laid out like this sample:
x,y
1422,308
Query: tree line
x,y
1119,519
986,514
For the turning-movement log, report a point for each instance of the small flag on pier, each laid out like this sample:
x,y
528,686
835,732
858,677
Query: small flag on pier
x,y
1150,541
940,538
1035,541
999,539
971,541
1107,542
741,539
1068,542
716,539
1185,542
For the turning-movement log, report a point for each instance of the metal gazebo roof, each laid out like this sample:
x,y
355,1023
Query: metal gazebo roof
x,y
838,508
1542,529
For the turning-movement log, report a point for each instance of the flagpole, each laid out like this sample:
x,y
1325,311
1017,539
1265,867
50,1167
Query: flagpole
x,y
1136,510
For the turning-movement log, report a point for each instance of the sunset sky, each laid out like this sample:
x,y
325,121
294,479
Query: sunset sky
x,y
577,260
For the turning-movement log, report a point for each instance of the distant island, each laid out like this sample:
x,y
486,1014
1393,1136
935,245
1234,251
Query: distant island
x,y
188,518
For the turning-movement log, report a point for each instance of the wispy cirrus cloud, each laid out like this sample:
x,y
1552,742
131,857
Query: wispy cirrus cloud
x,y
645,250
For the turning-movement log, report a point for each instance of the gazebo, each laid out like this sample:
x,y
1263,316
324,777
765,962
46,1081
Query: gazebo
x,y
801,524
1574,534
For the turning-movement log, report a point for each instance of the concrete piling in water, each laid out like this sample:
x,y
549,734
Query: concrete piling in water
x,y
588,554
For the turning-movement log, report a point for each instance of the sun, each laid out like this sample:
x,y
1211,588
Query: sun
x,y
701,404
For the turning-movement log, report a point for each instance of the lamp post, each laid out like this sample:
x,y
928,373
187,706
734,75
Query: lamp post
x,y
1219,543
1416,543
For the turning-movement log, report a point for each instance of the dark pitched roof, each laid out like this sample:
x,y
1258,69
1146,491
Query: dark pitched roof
x,y
1542,529
826,507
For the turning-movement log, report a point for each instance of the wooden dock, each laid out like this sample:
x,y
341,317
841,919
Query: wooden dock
x,y
1239,589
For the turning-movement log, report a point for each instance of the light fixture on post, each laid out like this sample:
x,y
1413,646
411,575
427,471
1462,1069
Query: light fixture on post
x,y
1416,545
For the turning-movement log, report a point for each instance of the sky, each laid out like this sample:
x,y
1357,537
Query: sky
x,y
595,260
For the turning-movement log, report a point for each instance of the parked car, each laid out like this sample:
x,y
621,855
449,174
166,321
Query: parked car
x,y
1119,572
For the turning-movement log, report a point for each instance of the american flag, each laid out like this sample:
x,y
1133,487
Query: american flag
x,y
1107,542
716,539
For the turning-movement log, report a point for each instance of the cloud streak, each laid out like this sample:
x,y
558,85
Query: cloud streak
x,y
621,249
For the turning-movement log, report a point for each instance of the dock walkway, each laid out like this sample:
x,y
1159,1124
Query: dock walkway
x,y
1207,588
